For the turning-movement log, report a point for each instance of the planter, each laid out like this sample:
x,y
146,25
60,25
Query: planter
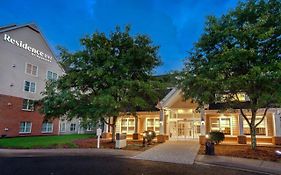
x,y
161,138
242,139
202,139
136,136
276,140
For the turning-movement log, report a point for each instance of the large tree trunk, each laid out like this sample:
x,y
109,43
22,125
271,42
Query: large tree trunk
x,y
114,129
253,138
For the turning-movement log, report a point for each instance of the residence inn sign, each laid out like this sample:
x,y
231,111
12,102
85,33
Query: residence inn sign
x,y
35,52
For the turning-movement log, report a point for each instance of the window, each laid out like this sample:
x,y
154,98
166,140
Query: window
x,y
47,127
25,127
222,124
29,86
51,76
152,124
72,127
62,127
128,125
261,128
28,105
31,69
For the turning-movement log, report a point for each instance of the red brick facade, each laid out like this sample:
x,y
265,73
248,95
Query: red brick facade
x,y
11,114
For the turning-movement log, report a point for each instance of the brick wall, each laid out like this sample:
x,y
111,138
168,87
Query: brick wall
x,y
11,114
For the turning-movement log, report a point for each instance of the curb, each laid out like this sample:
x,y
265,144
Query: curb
x,y
237,168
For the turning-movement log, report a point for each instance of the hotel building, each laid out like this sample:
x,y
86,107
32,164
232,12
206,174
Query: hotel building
x,y
178,119
26,63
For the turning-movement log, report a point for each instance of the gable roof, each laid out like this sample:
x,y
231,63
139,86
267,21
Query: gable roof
x,y
33,27
170,98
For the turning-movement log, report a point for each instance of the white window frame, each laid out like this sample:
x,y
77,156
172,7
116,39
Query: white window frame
x,y
29,89
220,117
31,70
64,128
25,132
47,126
258,117
52,75
154,126
127,126
28,105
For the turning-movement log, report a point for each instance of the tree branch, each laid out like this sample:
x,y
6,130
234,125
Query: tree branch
x,y
107,122
264,114
245,117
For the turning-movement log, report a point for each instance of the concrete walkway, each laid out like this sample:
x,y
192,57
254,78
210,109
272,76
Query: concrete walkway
x,y
266,167
183,152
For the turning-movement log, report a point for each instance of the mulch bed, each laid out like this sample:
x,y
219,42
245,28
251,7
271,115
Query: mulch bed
x,y
245,151
106,143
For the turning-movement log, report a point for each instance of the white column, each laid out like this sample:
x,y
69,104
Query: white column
x,y
136,125
105,127
241,128
161,121
203,122
276,123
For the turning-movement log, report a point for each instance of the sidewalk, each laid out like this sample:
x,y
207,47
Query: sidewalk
x,y
181,152
66,152
241,163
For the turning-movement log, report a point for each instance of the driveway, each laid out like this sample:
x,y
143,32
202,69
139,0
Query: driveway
x,y
183,152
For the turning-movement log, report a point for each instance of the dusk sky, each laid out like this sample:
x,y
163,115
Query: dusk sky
x,y
174,25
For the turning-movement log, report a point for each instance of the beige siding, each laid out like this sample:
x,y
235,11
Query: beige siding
x,y
269,124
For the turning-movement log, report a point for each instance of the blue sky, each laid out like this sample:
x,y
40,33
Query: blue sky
x,y
174,25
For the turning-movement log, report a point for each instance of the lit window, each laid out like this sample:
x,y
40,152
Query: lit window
x,y
152,124
31,69
47,127
52,76
221,124
29,86
28,105
261,128
72,127
25,127
128,125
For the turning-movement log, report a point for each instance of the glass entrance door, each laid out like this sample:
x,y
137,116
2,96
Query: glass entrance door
x,y
184,129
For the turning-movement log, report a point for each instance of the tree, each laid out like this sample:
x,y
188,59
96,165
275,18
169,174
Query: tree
x,y
109,77
238,53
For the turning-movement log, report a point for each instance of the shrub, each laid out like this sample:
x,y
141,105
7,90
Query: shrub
x,y
149,136
216,136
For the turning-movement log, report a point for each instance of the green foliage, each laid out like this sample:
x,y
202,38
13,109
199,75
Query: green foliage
x,y
238,53
216,136
42,141
111,75
149,136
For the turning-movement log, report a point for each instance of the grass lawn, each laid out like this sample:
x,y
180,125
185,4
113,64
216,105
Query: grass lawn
x,y
63,141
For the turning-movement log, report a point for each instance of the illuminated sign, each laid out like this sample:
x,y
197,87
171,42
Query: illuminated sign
x,y
35,52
